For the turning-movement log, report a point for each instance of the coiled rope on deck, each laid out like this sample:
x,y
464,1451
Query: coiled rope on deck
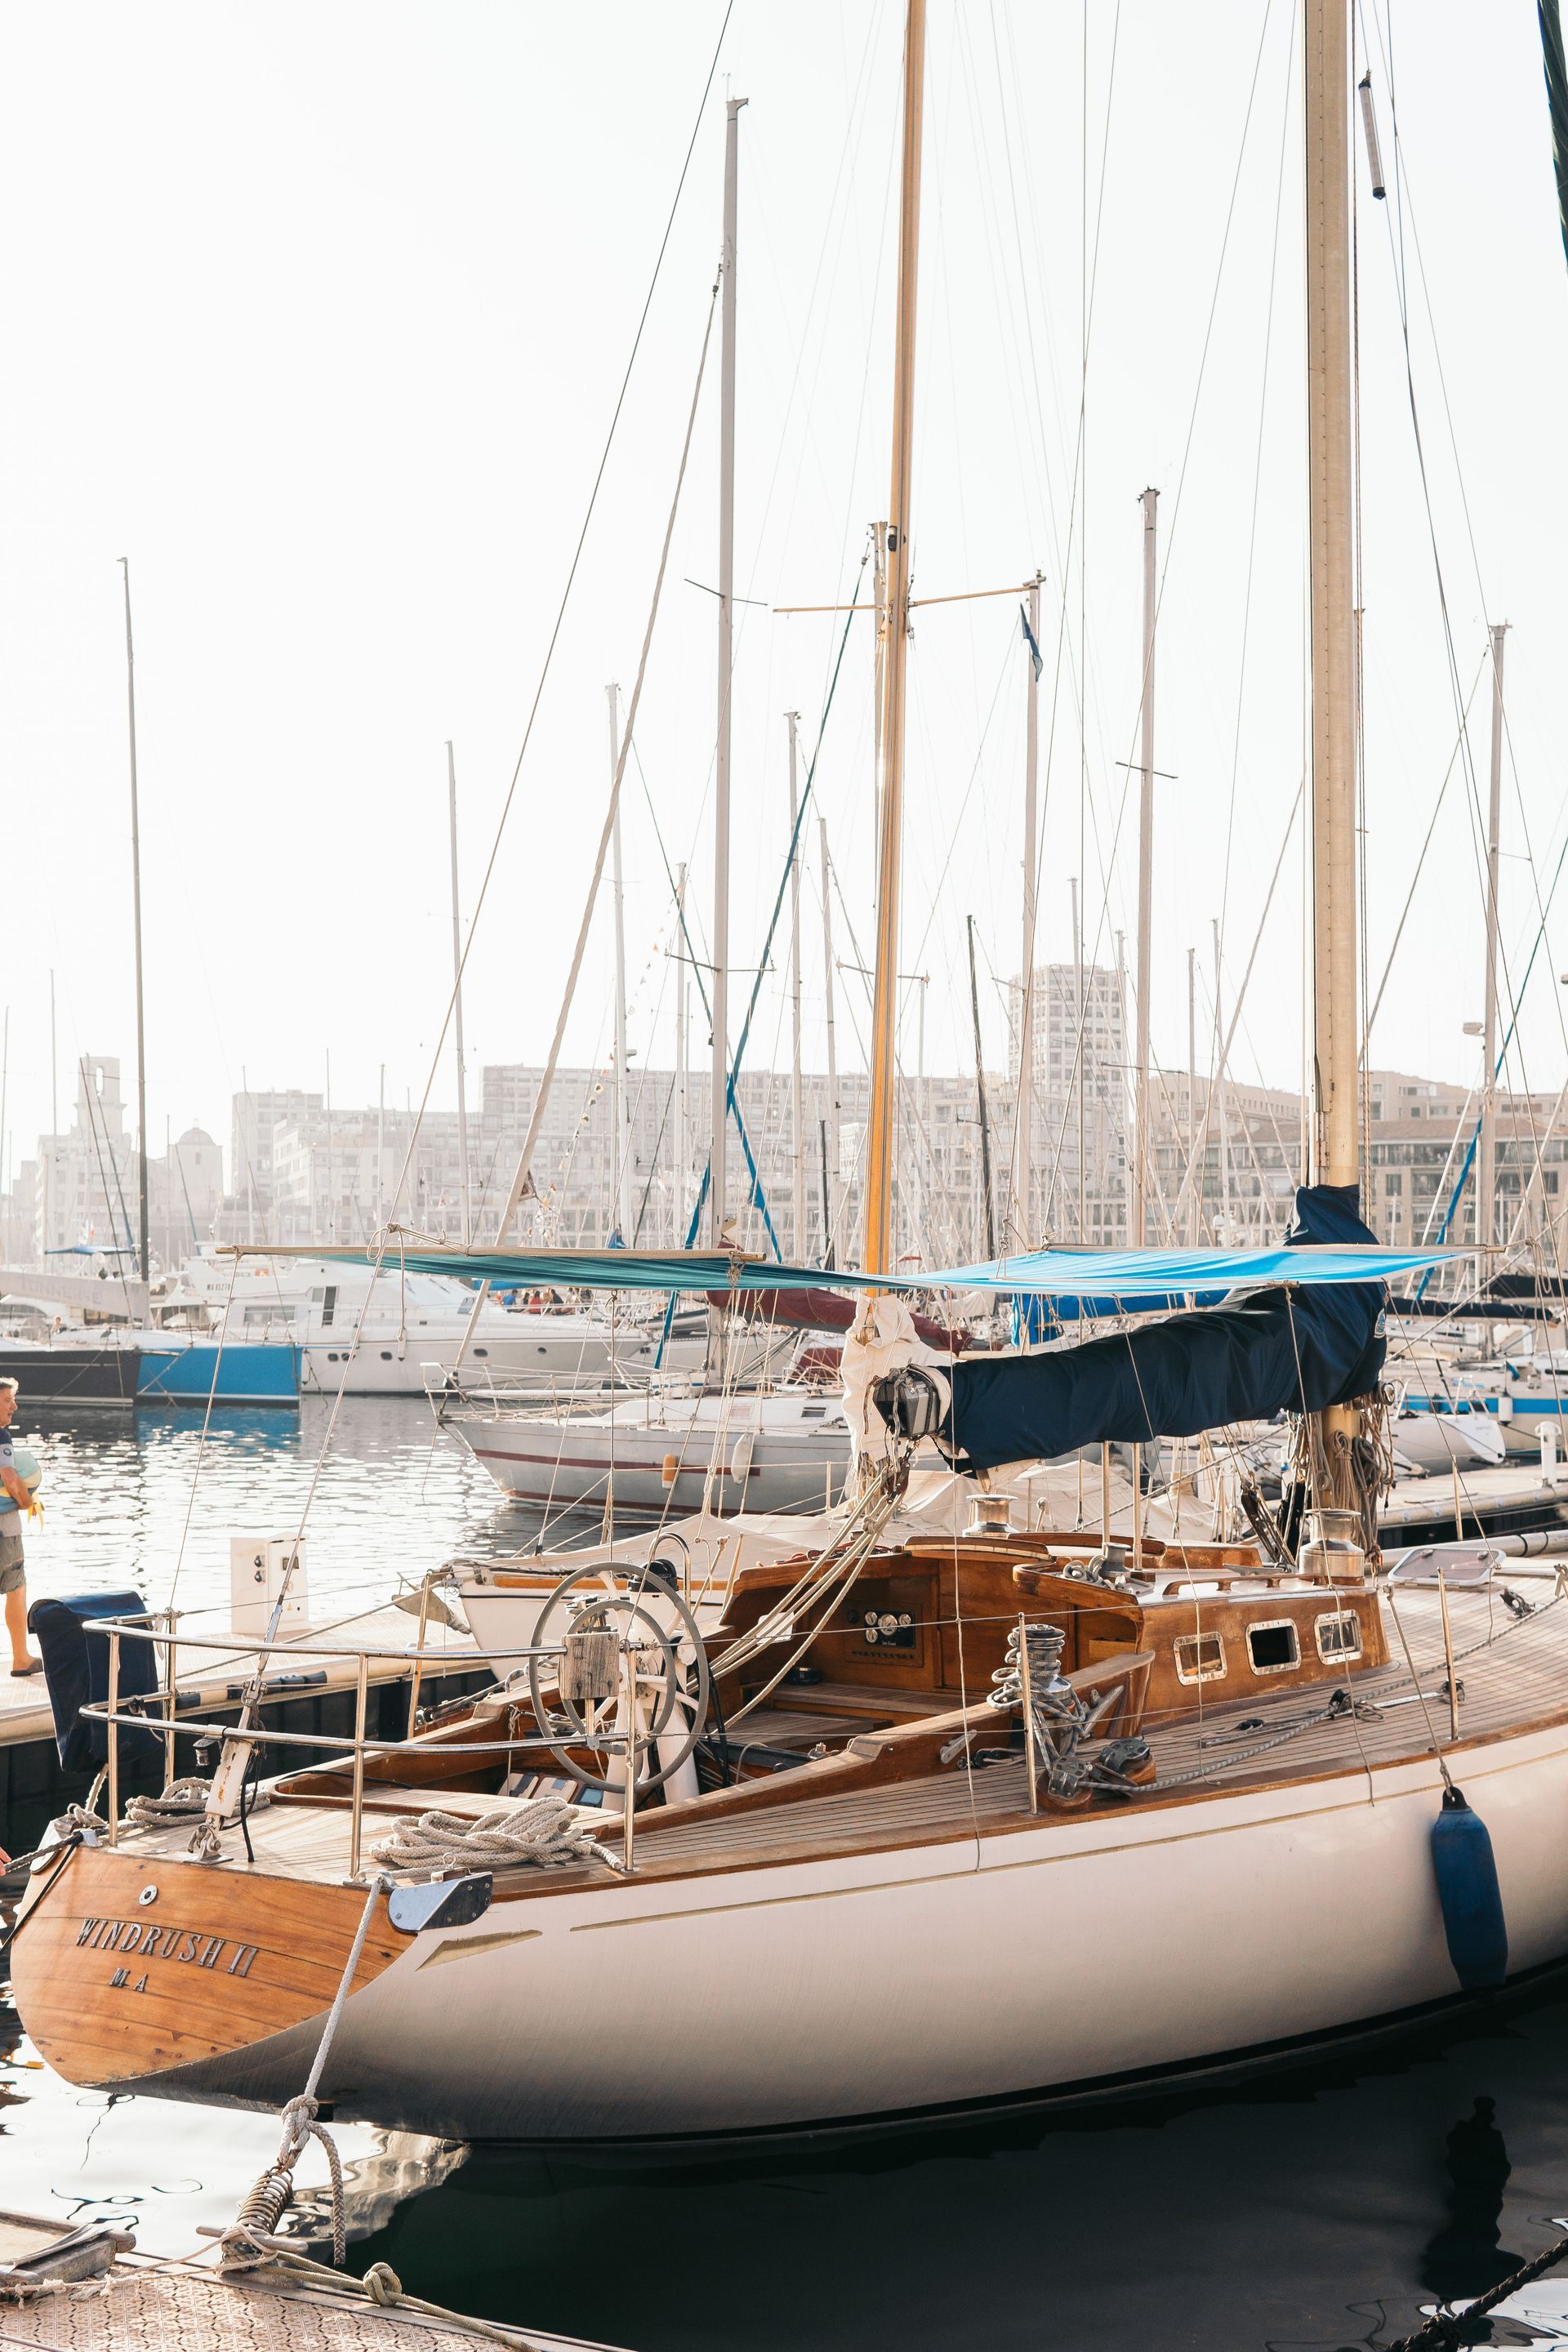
x,y
543,1831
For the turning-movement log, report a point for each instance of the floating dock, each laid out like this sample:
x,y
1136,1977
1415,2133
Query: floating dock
x,y
110,2298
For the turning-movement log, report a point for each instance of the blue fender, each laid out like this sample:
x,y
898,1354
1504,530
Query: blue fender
x,y
1468,1889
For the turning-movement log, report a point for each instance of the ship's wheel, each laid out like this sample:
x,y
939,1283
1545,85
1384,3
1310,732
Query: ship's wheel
x,y
633,1680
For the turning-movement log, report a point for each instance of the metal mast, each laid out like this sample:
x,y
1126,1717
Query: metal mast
x,y
620,1157
457,1015
1193,1182
1148,501
717,1203
797,1102
1024,1113
884,1010
831,1177
988,1214
682,1146
1486,1174
141,1264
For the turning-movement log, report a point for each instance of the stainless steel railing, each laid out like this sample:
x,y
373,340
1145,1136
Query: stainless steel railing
x,y
357,1746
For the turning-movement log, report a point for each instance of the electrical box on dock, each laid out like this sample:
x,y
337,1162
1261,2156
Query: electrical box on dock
x,y
257,1568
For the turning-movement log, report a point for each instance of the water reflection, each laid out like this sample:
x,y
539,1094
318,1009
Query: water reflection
x,y
124,1503
1466,2256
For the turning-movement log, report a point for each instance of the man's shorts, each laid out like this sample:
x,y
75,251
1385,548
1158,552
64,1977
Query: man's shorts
x,y
13,1574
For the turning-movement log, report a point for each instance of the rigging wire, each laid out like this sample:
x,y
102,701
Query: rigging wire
x,y
559,622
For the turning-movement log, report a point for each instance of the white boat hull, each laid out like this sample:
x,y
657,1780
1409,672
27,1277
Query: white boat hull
x,y
1045,1960
543,1470
534,1359
1432,1441
656,1460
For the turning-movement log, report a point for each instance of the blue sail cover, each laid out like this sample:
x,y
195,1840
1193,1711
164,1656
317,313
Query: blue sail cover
x,y
1292,1350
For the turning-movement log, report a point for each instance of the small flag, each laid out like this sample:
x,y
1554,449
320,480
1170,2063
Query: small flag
x,y
1029,641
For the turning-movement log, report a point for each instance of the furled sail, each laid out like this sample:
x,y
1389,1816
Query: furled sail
x,y
1286,1349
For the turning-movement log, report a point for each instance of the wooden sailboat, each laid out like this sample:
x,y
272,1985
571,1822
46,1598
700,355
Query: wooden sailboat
x,y
879,1818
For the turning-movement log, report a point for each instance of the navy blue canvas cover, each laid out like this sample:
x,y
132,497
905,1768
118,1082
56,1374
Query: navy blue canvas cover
x,y
1282,1351
76,1669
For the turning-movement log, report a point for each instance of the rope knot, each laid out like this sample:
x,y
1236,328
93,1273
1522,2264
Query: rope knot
x,y
297,2117
383,2285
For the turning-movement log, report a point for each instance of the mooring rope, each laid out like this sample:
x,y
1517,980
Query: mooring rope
x,y
1454,2326
243,2243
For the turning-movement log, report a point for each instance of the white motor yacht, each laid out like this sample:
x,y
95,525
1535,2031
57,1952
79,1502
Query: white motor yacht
x,y
383,1332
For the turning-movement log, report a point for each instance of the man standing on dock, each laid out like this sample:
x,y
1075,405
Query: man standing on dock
x,y
14,1500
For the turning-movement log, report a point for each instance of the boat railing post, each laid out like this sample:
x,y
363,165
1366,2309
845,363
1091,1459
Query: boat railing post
x,y
113,1710
172,1701
1104,1495
1137,1510
417,1675
1448,1654
362,1695
1026,1688
627,1711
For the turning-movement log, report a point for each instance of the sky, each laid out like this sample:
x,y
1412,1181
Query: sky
x,y
319,318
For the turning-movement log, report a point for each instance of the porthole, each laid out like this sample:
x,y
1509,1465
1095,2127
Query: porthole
x,y
386,1355
1338,1636
1275,1648
1200,1658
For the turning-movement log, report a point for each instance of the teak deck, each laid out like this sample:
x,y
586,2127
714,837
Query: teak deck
x,y
1515,1678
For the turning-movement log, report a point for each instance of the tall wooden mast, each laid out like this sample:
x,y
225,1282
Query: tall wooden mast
x,y
1336,1155
1336,1147
884,1010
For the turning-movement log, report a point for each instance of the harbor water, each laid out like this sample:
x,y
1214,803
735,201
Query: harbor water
x,y
1321,2207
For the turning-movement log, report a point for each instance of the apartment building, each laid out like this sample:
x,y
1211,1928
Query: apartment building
x,y
80,1187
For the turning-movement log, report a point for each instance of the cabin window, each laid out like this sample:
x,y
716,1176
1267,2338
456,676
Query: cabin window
x,y
1273,1649
1339,1637
1200,1658
329,1305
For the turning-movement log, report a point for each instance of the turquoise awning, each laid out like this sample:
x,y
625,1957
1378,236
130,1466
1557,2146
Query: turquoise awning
x,y
1119,1277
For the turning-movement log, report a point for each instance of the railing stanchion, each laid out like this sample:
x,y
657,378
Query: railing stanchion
x,y
416,1677
1026,1690
362,1694
114,1735
172,1707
